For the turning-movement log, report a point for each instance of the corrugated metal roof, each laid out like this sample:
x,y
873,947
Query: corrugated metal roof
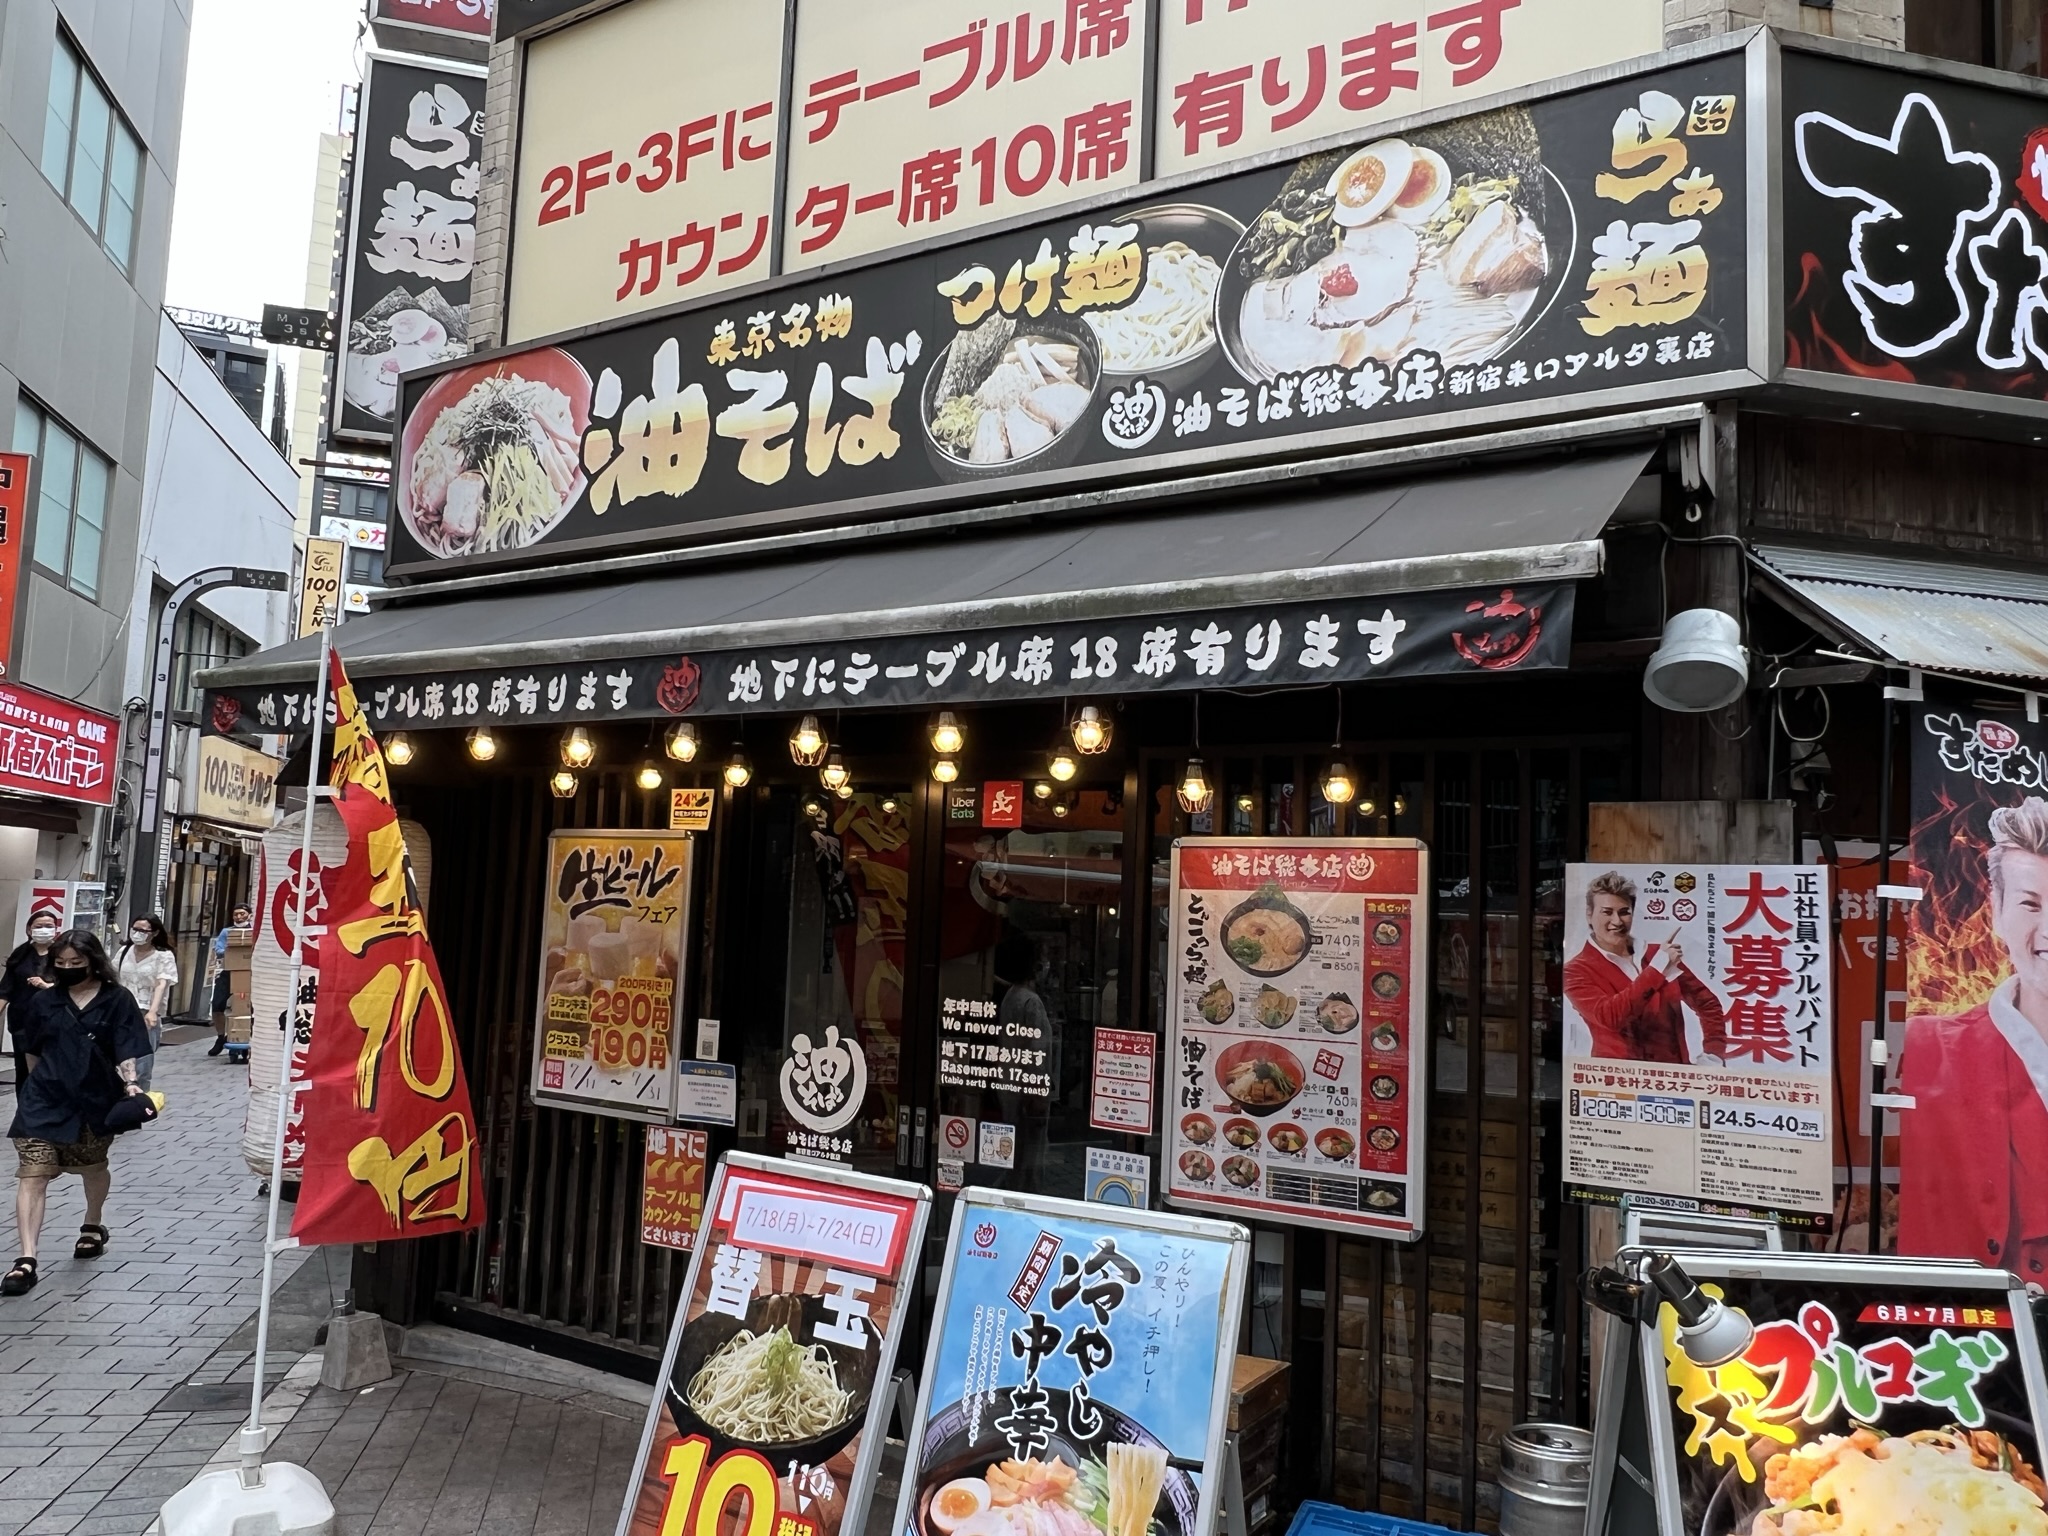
x,y
1939,631
1858,568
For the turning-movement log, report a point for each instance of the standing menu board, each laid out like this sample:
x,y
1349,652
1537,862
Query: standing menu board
x,y
774,1393
1078,1374
1876,1395
1297,1018
611,969
1699,1022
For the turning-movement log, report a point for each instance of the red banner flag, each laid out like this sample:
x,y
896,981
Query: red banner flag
x,y
390,1137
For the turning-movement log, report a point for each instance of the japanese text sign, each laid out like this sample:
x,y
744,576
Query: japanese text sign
x,y
647,159
1878,1397
237,784
1120,1095
14,477
616,909
412,234
1699,1038
391,1140
1298,1030
672,1187
50,746
1587,247
1093,1341
459,28
777,1380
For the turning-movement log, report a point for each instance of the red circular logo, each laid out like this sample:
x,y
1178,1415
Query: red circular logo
x,y
227,712
1997,736
985,1235
677,690
956,1134
284,902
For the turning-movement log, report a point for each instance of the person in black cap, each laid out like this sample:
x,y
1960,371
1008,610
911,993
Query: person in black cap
x,y
85,1040
221,986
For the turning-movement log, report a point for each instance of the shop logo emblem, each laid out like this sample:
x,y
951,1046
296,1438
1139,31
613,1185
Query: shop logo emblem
x,y
1997,736
1654,907
1360,866
1685,911
985,1235
1686,883
679,685
284,903
1513,633
823,1086
227,712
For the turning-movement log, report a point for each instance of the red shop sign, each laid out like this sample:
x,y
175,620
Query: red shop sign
x,y
50,746
465,18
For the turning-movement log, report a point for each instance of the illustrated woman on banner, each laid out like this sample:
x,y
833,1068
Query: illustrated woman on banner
x,y
1632,1005
1973,1151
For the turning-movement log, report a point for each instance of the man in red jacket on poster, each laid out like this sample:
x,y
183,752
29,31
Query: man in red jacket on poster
x,y
1634,1009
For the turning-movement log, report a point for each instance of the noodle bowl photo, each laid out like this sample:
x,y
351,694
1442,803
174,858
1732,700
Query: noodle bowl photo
x,y
768,1383
1167,334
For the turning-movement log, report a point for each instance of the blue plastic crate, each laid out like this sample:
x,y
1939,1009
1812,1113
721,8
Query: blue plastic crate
x,y
1314,1519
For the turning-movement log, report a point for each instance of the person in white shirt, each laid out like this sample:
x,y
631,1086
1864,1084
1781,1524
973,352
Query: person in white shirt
x,y
147,968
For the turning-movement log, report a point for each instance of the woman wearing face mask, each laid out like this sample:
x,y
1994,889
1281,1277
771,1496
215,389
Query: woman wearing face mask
x,y
85,1041
27,972
149,970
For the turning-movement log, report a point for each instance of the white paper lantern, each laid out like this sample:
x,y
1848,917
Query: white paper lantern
x,y
270,961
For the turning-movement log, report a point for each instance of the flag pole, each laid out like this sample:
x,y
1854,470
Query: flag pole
x,y
252,1445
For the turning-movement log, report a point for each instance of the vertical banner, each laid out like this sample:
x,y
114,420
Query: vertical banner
x,y
611,963
672,1187
1699,1057
775,1391
412,234
14,471
1298,1030
1078,1373
1974,1143
320,585
390,1135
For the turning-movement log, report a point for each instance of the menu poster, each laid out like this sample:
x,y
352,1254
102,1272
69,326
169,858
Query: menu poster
x,y
774,1393
1298,1015
1078,1372
611,963
1873,1397
1699,1022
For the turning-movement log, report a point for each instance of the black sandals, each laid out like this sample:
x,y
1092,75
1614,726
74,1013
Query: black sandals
x,y
21,1279
92,1241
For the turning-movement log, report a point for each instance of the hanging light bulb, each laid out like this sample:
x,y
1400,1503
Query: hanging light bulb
x,y
844,791
1400,805
1091,731
398,749
483,746
578,750
1339,784
888,805
947,737
1041,790
807,743
681,742
1063,807
1194,793
1368,807
563,784
1246,804
1062,767
835,775
738,771
945,770
649,777
814,808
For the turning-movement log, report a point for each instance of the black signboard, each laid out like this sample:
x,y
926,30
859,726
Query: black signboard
x,y
1427,634
412,234
1586,248
1915,229
516,18
290,326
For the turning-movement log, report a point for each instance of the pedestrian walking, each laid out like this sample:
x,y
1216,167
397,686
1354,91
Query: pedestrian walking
x,y
27,972
220,977
149,970
85,1041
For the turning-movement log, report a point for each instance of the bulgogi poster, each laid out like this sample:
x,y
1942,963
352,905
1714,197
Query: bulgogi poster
x,y
617,906
1078,1373
1975,1062
776,1387
1297,1045
412,234
1895,1400
1699,1051
1583,244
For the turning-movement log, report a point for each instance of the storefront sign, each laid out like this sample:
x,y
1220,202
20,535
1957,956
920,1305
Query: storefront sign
x,y
647,161
1297,1047
320,585
1880,1397
50,746
1699,1053
824,1084
956,1138
1093,1346
1975,1068
412,234
707,1092
689,810
672,1187
455,28
1002,804
237,784
14,479
1462,633
1120,1087
777,1384
1916,209
1585,249
986,1046
616,908
1119,1178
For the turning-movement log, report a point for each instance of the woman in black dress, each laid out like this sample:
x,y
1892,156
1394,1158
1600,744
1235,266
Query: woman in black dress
x,y
26,973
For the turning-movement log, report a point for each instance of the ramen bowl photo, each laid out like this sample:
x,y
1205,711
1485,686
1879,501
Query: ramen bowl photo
x,y
766,1384
1267,935
1260,1078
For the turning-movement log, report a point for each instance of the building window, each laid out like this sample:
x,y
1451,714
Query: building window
x,y
201,641
73,487
366,567
2003,34
90,155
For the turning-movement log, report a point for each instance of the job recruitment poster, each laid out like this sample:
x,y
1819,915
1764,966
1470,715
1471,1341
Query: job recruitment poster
x,y
611,964
1698,1017
1297,1017
1078,1372
776,1386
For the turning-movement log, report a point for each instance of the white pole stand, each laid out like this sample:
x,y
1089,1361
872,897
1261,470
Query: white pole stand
x,y
257,1498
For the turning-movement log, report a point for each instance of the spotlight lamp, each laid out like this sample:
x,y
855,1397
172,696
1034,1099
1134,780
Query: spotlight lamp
x,y
1640,1280
681,742
947,737
578,750
398,749
482,745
